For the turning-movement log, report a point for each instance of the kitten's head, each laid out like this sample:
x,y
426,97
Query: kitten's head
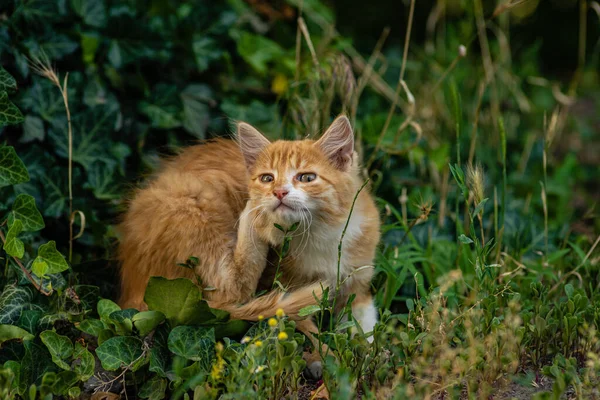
x,y
294,181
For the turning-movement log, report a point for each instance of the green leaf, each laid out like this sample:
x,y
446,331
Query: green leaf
x,y
12,302
196,115
147,321
29,320
122,320
231,328
93,12
33,129
49,260
309,310
106,307
9,113
119,351
60,348
345,325
13,245
24,209
160,354
11,332
84,362
91,326
12,169
258,51
569,290
193,343
154,389
7,82
480,206
179,300
464,239
205,51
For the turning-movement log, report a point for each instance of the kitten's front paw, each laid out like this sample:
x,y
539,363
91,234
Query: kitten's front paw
x,y
314,367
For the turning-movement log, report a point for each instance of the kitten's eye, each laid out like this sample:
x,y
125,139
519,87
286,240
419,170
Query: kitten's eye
x,y
266,178
306,177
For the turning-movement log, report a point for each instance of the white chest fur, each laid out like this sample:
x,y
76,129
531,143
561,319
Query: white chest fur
x,y
316,251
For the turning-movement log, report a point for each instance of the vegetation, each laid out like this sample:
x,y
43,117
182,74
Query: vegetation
x,y
483,158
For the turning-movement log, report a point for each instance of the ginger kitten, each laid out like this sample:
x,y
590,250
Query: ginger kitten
x,y
219,202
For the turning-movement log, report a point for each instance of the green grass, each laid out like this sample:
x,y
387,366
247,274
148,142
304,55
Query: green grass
x,y
487,275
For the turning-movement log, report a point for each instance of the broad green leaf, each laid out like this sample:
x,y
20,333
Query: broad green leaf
x,y
84,362
91,326
12,302
106,307
11,332
194,343
122,320
205,51
231,328
33,129
7,82
154,389
119,351
13,245
308,310
65,381
60,348
101,179
179,300
12,169
146,321
258,51
49,260
160,354
196,115
9,113
93,12
24,209
29,320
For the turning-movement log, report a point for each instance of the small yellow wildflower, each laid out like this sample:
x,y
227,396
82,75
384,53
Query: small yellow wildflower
x,y
279,313
282,336
246,339
261,317
258,343
219,347
279,84
259,369
272,322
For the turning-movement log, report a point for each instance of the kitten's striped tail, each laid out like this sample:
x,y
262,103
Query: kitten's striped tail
x,y
268,304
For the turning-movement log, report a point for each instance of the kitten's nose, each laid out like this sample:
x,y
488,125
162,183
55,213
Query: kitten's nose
x,y
280,193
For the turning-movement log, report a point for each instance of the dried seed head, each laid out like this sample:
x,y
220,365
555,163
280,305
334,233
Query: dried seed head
x,y
475,182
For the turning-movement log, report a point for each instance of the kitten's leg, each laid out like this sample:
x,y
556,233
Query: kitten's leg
x,y
363,309
313,360
249,256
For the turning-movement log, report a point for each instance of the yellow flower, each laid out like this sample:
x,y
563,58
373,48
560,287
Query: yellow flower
x,y
279,313
219,347
272,322
259,369
246,339
282,336
261,317
258,343
279,84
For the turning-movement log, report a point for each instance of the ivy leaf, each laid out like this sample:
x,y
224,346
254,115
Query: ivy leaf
x,y
12,169
154,389
160,355
91,326
29,320
93,12
11,332
9,113
24,210
60,348
49,260
84,362
258,51
193,343
106,307
122,320
205,51
12,302
7,82
179,300
33,129
146,321
195,111
13,245
119,351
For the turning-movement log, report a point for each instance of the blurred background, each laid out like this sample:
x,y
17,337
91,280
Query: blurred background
x,y
145,77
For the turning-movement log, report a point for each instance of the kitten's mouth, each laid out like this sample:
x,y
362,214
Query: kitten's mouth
x,y
282,206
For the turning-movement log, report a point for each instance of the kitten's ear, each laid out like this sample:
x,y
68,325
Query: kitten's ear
x,y
251,141
338,143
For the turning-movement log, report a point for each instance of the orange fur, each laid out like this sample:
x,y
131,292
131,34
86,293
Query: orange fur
x,y
212,202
